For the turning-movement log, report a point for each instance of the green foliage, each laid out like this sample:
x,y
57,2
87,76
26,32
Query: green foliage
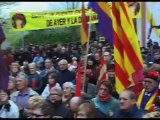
x,y
53,36
41,37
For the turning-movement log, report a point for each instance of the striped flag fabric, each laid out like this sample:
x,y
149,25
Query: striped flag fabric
x,y
127,55
103,70
3,68
84,27
79,81
104,12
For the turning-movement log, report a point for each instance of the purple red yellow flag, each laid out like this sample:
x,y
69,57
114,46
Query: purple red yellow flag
x,y
104,11
3,68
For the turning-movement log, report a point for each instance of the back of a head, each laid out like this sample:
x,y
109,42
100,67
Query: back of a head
x,y
45,107
89,110
34,100
75,102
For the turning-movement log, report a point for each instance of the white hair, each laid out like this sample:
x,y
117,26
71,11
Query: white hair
x,y
32,65
57,88
70,85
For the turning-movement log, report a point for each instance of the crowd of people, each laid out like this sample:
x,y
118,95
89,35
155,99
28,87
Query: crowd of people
x,y
42,83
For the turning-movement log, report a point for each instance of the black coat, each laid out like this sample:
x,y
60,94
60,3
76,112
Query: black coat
x,y
39,81
61,110
66,76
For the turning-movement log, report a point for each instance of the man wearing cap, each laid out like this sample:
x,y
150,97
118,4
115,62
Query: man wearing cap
x,y
147,96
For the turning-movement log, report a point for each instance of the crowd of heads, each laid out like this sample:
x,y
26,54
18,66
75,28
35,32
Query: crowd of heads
x,y
43,80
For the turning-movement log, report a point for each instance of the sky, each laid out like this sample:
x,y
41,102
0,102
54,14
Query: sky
x,y
33,7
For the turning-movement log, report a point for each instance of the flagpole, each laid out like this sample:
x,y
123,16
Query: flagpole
x,y
87,50
143,24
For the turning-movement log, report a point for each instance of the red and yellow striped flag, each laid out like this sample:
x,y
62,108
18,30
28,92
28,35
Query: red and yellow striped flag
x,y
103,70
127,55
84,27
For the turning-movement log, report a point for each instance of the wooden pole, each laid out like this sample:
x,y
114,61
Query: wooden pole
x,y
87,50
143,24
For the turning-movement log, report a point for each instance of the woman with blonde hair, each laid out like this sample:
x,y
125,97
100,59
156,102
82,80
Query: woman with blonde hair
x,y
33,101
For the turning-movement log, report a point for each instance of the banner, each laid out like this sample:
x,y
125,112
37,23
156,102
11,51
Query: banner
x,y
43,20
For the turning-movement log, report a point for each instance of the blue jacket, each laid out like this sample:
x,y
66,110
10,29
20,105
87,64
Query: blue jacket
x,y
135,112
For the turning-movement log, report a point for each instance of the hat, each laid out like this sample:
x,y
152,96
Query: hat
x,y
152,75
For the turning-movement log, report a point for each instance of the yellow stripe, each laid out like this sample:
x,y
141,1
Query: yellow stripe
x,y
128,65
102,71
139,101
105,7
128,13
119,85
130,34
118,58
83,36
149,103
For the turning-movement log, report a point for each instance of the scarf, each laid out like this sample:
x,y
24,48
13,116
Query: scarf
x,y
105,99
52,85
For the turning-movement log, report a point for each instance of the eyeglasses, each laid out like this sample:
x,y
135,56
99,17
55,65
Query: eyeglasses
x,y
54,94
62,64
36,115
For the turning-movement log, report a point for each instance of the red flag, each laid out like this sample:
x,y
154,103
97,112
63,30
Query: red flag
x,y
79,81
84,27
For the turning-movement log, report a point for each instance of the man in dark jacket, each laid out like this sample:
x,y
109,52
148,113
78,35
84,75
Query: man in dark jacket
x,y
55,98
64,75
35,80
128,107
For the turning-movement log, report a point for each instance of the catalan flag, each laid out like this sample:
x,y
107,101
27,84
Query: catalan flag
x,y
3,68
103,10
103,70
84,27
127,55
